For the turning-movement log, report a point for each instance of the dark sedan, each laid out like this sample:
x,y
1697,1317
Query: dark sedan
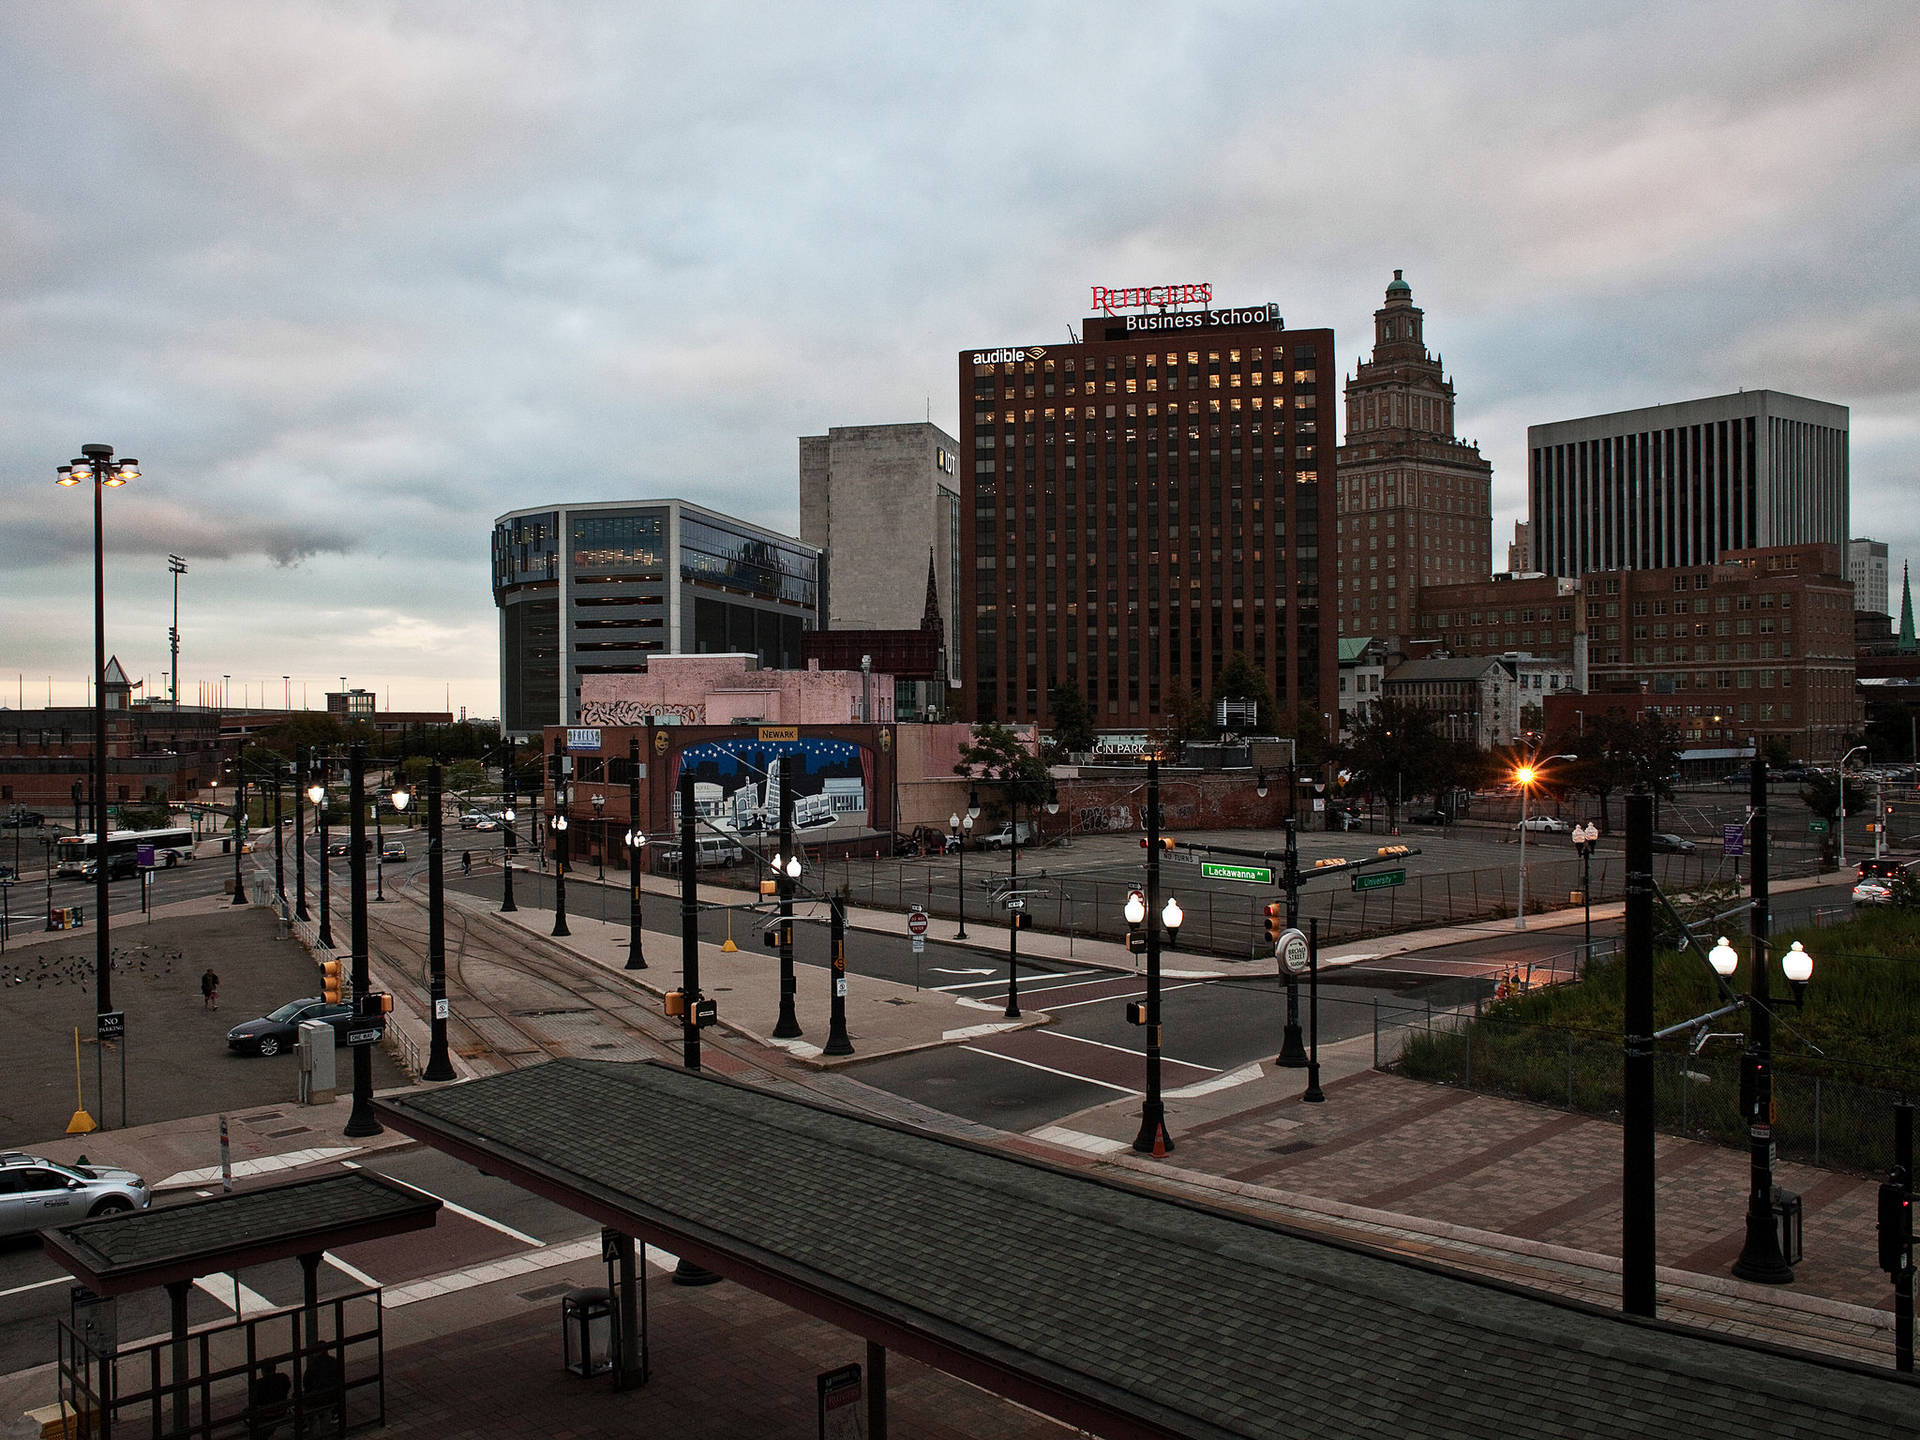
x,y
1672,845
1429,817
338,847
271,1034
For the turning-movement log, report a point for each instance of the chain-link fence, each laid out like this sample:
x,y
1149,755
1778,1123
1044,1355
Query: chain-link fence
x,y
1834,1117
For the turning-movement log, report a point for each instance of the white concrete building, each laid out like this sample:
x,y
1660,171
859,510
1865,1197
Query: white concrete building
x,y
1867,568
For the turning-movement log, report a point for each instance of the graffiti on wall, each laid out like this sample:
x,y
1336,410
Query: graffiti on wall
x,y
640,712
1106,818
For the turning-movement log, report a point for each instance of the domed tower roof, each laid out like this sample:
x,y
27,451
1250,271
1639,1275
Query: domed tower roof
x,y
1398,286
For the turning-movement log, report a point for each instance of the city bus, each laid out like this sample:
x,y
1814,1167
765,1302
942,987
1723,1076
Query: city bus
x,y
72,853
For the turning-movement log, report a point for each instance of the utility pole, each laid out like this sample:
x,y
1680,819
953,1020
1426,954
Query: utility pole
x,y
300,834
636,853
1293,1053
1153,1138
689,924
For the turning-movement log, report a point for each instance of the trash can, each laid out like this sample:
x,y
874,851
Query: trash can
x,y
226,847
589,1330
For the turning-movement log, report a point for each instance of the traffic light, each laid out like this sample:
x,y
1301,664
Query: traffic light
x,y
382,1004
1136,1012
1276,921
1166,842
1387,850
675,1003
1020,920
769,887
705,1012
1896,1224
1754,1074
778,934
330,981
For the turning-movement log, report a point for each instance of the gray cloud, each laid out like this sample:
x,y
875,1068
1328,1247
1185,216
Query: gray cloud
x,y
353,279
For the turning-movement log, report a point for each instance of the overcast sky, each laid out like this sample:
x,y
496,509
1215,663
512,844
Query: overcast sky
x,y
351,279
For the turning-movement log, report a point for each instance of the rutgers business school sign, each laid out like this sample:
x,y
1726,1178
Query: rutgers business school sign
x,y
1150,309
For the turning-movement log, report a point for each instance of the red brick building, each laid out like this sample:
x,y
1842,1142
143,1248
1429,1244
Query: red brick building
x,y
1142,503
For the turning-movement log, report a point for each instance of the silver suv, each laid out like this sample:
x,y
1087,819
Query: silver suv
x,y
36,1193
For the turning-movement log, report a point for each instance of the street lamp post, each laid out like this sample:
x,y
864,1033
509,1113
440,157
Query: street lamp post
x,y
279,843
360,1119
786,865
317,793
1293,1053
962,831
239,819
600,834
439,1063
636,851
1153,1138
1525,777
300,834
379,851
507,907
560,868
1842,827
1585,837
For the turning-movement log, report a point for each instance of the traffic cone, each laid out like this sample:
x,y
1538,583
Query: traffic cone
x,y
1159,1142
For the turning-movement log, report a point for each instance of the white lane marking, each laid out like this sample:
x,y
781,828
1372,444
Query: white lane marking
x,y
982,984
457,1208
942,970
797,1048
1136,1054
1064,1074
973,1004
37,1285
1167,974
974,1030
1219,1082
351,1272
1077,1140
221,1286
265,1165
1122,995
512,1267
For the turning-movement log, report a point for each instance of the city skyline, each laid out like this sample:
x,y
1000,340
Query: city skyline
x,y
352,282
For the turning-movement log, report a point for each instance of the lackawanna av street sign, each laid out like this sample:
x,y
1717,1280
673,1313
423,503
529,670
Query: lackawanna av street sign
x,y
1251,874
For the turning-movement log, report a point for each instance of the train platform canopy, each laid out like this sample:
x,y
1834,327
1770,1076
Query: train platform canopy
x,y
147,1249
1125,1312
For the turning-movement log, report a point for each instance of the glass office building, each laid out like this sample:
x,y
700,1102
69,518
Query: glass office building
x,y
595,589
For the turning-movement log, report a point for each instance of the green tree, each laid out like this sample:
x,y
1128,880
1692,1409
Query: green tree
x,y
1821,795
1394,752
1240,680
1777,751
1604,747
998,754
1185,715
1073,729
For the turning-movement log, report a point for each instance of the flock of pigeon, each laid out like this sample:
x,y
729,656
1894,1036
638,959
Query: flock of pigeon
x,y
149,962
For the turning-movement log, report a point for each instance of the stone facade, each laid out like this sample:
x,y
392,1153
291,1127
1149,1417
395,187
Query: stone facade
x,y
1415,503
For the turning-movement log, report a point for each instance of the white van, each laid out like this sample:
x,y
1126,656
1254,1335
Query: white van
x,y
709,851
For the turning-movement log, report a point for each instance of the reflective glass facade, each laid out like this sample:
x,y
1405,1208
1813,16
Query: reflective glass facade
x,y
595,589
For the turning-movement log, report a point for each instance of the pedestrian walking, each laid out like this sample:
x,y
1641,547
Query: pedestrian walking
x,y
466,862
210,990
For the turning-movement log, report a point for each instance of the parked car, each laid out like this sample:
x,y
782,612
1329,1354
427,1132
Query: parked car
x,y
337,847
1552,824
36,1193
277,1031
471,820
485,823
1672,844
1429,817
1009,835
393,850
710,851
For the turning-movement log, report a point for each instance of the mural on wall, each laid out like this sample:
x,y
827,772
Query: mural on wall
x,y
640,712
733,784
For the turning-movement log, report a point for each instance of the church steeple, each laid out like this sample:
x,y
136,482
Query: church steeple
x,y
1907,645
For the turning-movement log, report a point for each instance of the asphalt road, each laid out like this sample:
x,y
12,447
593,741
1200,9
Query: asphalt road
x,y
494,1219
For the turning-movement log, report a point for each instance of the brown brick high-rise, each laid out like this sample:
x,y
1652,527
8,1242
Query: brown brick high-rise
x,y
1138,506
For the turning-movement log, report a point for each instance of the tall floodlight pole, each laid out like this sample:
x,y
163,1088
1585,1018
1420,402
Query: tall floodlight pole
x,y
636,854
300,834
96,463
176,567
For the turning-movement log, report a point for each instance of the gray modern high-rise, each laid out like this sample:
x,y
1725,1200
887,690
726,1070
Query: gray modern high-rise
x,y
1678,484
595,589
1867,568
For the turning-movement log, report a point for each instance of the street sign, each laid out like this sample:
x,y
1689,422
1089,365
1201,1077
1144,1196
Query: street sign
x,y
1183,857
1292,951
919,944
1380,880
917,922
110,1025
442,1008
1733,839
367,1036
1251,874
1816,827
1016,903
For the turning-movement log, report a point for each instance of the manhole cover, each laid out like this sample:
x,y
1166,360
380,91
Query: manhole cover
x,y
295,1130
